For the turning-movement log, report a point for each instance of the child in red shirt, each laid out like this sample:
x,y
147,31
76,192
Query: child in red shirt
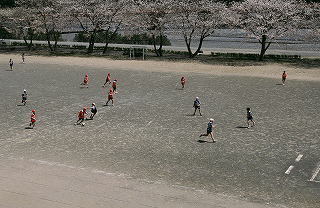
x,y
108,80
284,77
110,97
81,116
86,80
33,119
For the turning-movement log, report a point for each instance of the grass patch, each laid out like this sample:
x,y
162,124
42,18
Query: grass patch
x,y
118,53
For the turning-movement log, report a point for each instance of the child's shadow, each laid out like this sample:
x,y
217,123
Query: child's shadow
x,y
241,127
279,84
29,127
202,141
21,105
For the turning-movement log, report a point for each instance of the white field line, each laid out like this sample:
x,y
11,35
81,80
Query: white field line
x,y
291,166
289,169
315,173
149,123
299,157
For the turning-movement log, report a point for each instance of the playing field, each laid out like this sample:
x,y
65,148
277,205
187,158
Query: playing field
x,y
150,133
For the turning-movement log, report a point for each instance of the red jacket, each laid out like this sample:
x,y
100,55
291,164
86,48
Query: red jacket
x,y
81,114
33,118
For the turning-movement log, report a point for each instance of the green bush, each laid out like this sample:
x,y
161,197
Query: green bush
x,y
253,56
139,39
4,34
6,3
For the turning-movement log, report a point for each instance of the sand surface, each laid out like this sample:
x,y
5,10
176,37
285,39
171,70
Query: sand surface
x,y
266,71
41,184
150,138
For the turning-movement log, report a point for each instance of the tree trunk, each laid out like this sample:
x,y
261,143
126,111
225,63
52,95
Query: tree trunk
x,y
56,36
154,45
91,41
199,47
29,45
188,46
48,40
109,38
25,41
188,43
31,39
160,45
264,46
107,41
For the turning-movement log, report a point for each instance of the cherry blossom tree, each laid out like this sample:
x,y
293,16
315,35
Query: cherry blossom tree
x,y
5,14
96,15
267,20
88,14
48,16
198,19
311,21
25,25
115,11
153,17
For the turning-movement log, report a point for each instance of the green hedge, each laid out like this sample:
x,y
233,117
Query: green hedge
x,y
253,56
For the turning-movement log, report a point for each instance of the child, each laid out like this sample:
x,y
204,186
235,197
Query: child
x,y
22,56
183,82
93,110
11,64
81,116
33,119
114,86
110,96
284,77
24,97
250,118
108,80
210,130
196,105
86,80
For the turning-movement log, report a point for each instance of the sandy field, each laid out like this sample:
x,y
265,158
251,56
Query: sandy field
x,y
266,71
149,139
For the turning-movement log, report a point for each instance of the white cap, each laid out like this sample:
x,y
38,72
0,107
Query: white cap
x,y
197,98
24,90
93,104
211,119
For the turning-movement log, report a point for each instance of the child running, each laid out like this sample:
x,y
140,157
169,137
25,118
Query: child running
x,y
250,118
110,97
108,80
33,119
183,82
114,86
81,116
210,130
11,64
196,105
85,80
284,77
93,111
24,97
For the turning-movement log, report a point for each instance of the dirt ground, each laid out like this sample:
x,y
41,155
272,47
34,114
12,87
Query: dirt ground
x,y
150,134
